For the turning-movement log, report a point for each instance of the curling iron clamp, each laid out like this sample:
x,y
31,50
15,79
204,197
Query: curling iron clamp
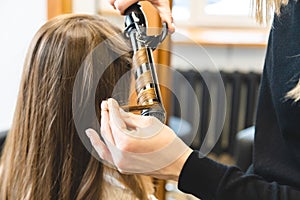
x,y
147,86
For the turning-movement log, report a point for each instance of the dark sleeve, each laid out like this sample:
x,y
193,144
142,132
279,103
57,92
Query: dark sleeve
x,y
207,179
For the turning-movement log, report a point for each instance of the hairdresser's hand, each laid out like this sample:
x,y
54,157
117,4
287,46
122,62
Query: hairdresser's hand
x,y
162,6
138,144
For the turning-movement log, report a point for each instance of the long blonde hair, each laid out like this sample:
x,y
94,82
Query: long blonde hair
x,y
43,157
264,9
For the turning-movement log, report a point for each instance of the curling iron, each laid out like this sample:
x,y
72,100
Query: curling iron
x,y
147,86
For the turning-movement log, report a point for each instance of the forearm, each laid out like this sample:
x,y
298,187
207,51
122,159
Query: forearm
x,y
207,179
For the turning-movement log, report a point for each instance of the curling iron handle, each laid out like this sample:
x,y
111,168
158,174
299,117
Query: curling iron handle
x,y
135,14
136,8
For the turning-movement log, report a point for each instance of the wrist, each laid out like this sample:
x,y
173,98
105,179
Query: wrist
x,y
181,161
173,171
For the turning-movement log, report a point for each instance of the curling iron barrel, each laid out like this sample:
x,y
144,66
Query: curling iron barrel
x,y
147,86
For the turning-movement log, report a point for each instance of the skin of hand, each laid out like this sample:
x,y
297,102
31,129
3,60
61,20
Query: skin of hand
x,y
119,130
162,6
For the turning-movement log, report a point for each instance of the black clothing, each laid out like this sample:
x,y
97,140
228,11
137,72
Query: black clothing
x,y
276,161
207,179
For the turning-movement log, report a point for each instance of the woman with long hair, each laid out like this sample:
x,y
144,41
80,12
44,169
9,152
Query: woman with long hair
x,y
44,156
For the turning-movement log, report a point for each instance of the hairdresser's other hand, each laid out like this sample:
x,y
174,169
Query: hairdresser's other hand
x,y
162,6
138,144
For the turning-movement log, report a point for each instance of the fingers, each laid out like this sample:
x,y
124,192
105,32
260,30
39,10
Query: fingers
x,y
123,123
167,17
118,127
124,120
99,146
112,3
116,120
134,121
105,127
122,5
163,7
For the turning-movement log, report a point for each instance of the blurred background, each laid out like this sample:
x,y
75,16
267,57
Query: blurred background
x,y
223,27
212,36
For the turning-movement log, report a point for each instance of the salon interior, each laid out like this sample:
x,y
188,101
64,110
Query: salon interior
x,y
209,68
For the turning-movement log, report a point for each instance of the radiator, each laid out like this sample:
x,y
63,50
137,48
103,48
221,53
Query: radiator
x,y
241,91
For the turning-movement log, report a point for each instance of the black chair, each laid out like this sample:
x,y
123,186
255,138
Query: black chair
x,y
2,139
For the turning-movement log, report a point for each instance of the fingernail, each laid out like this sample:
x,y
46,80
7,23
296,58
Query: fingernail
x,y
104,105
173,27
88,132
112,102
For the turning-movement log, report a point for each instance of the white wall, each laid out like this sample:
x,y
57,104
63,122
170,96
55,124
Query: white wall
x,y
86,6
227,58
19,20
